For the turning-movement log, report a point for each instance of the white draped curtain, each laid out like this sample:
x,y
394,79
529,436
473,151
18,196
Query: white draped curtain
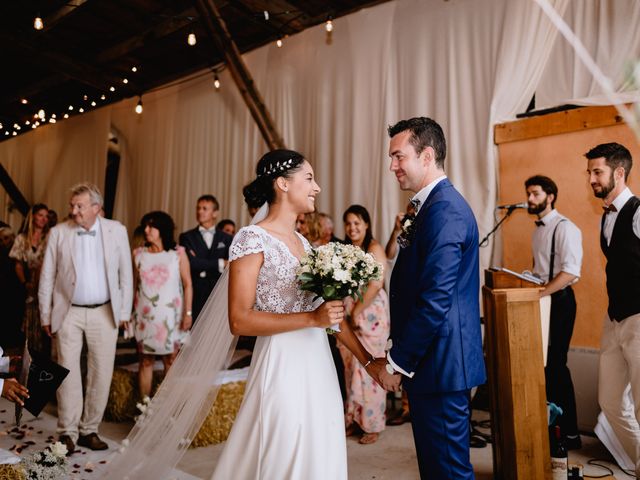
x,y
610,31
466,63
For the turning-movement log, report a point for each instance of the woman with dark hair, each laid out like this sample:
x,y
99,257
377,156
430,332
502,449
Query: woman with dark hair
x,y
290,424
163,296
227,226
28,253
366,400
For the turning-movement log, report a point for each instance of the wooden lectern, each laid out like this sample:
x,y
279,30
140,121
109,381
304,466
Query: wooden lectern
x,y
513,343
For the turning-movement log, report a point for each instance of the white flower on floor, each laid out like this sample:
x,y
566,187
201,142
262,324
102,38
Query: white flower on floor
x,y
59,449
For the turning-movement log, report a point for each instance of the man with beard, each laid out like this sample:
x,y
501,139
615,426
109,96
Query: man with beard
x,y
608,166
557,258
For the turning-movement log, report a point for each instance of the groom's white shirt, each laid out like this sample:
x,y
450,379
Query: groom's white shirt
x,y
421,197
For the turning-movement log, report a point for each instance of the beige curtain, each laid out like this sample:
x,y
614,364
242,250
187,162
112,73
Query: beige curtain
x,y
466,63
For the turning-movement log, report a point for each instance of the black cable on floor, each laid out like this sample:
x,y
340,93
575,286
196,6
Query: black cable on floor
x,y
593,462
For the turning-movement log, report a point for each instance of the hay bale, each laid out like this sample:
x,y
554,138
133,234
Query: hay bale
x,y
218,423
11,472
124,394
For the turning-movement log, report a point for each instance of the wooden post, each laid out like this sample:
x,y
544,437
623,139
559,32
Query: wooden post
x,y
218,31
14,192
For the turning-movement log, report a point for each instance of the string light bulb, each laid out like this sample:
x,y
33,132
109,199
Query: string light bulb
x,y
41,114
134,69
81,110
191,39
279,42
112,89
24,101
93,103
125,80
38,24
103,97
216,81
66,115
70,107
139,106
329,26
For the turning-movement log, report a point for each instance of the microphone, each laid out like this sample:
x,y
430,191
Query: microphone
x,y
512,206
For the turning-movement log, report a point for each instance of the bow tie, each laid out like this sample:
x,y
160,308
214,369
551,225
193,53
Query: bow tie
x,y
539,223
207,230
610,208
86,232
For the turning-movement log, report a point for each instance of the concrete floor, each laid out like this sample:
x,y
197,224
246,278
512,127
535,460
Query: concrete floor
x,y
391,458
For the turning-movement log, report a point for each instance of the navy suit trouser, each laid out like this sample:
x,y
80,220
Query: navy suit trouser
x,y
440,423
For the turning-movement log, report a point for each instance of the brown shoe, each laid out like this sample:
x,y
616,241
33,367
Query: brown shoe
x,y
92,441
67,442
399,420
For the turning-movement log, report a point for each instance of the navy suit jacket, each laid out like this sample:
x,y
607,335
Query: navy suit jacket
x,y
204,264
435,312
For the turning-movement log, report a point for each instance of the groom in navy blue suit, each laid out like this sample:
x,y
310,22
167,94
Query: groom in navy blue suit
x,y
436,346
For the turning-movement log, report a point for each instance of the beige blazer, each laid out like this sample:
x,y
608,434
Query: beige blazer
x,y
58,275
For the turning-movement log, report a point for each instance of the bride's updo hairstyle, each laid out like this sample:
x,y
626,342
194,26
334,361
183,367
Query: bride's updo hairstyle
x,y
277,163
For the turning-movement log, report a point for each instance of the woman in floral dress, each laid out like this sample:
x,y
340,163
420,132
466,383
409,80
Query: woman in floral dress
x,y
366,400
28,252
163,296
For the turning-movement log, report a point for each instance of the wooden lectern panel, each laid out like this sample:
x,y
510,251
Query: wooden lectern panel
x,y
515,369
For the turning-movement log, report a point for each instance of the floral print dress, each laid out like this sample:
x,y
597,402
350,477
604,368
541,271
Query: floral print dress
x,y
158,302
366,400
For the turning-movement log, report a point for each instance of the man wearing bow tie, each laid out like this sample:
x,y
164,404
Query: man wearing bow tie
x,y
608,166
557,258
86,291
207,249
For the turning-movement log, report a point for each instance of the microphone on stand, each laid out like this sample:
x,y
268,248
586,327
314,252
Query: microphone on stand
x,y
512,206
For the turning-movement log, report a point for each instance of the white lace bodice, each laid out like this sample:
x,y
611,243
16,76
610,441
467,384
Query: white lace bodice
x,y
277,289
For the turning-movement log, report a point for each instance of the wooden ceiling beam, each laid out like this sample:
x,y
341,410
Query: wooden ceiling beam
x,y
73,68
70,7
166,27
214,23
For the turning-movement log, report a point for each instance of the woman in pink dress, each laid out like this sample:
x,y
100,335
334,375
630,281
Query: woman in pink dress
x,y
163,296
369,319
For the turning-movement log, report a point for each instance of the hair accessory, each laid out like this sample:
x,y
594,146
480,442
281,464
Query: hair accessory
x,y
278,167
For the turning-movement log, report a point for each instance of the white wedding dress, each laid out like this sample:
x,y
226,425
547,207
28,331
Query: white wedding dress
x,y
290,424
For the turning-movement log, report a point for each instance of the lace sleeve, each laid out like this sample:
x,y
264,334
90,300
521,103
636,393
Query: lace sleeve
x,y
247,241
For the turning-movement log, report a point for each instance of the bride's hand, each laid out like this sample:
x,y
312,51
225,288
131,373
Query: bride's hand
x,y
329,313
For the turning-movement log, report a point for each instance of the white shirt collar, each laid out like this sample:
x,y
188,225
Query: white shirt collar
x,y
423,194
622,198
94,228
549,217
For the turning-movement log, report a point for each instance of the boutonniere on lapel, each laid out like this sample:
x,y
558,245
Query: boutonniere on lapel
x,y
408,225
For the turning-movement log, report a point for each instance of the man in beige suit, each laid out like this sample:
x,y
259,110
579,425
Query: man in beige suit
x,y
86,290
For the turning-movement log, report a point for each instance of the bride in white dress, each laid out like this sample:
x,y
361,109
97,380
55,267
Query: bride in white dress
x,y
290,424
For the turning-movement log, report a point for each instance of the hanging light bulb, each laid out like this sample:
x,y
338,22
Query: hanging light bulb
x,y
38,24
70,107
112,89
85,98
329,26
279,42
53,115
81,110
139,106
26,123
134,69
216,81
191,39
24,101
66,115
125,80
103,97
93,104
41,114
52,120
14,133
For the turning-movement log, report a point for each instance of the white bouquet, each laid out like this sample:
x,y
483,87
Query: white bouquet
x,y
48,464
335,271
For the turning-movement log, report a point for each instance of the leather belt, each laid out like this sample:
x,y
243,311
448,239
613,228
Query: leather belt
x,y
95,305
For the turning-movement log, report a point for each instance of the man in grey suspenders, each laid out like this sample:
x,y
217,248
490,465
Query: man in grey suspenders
x,y
608,166
557,258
